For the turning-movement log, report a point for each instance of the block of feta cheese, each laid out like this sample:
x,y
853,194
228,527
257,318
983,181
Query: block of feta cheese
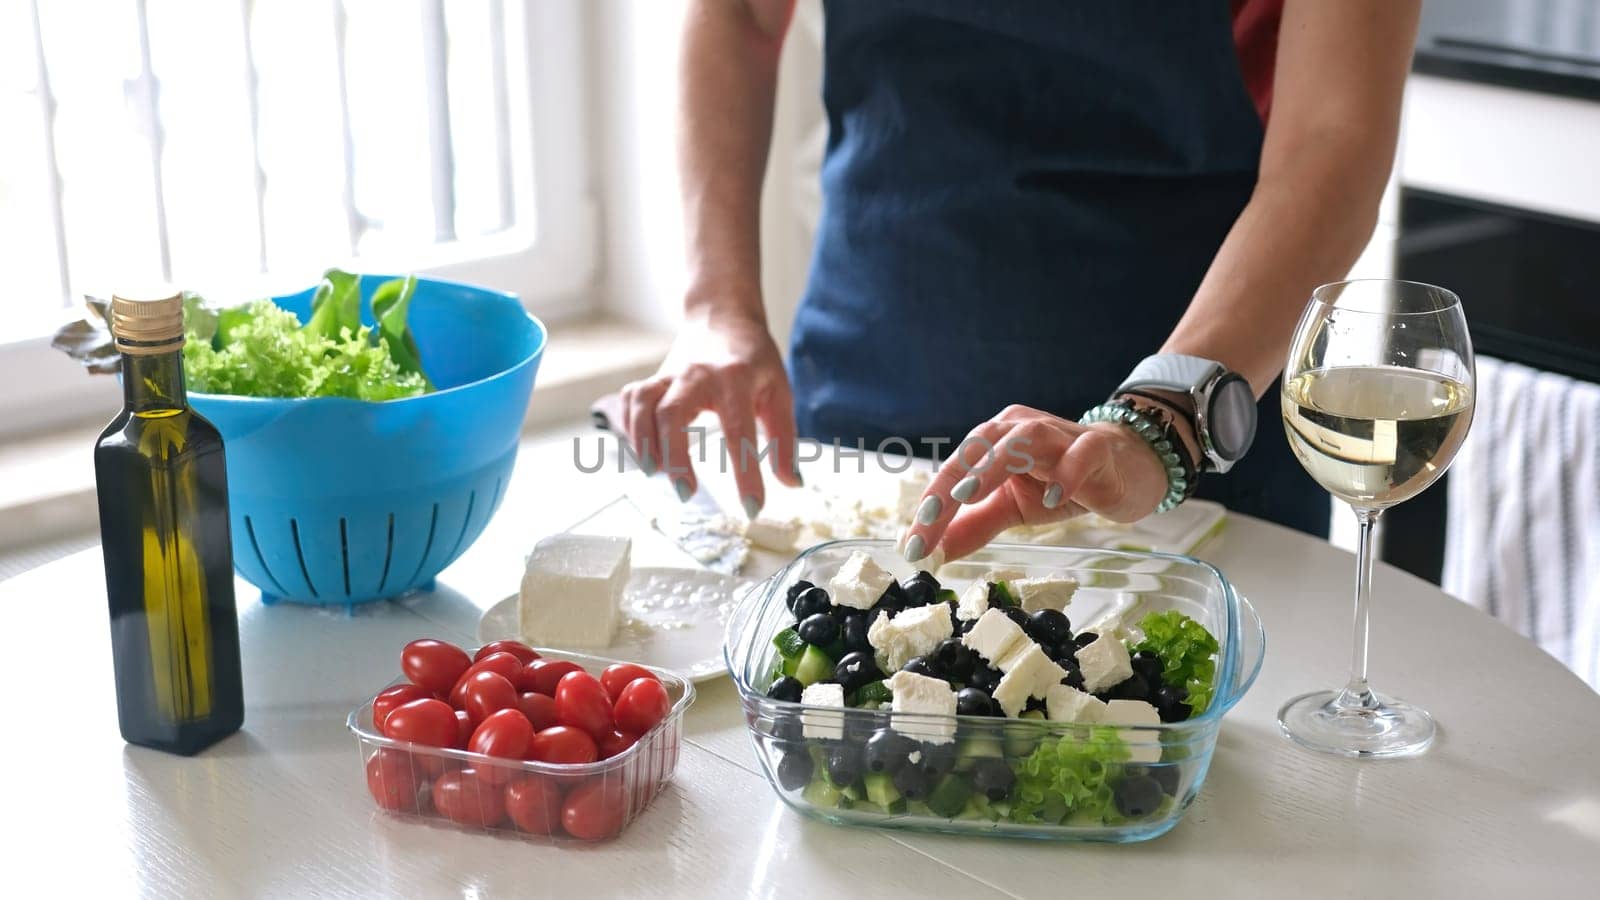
x,y
1052,592
1104,664
859,582
1064,703
1029,673
572,590
777,535
911,633
915,693
1143,746
974,601
994,636
823,725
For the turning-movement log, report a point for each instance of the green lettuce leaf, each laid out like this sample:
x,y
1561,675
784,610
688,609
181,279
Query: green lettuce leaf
x,y
1188,654
336,305
1069,777
391,304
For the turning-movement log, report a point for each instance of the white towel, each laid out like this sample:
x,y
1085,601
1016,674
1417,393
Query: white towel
x,y
1523,542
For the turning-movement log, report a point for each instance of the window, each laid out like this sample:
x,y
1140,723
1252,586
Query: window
x,y
238,148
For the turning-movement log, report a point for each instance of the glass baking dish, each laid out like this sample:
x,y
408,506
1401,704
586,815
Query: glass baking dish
x,y
617,790
1048,760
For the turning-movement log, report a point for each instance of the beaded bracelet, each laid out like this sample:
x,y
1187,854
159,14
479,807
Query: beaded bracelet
x,y
1181,477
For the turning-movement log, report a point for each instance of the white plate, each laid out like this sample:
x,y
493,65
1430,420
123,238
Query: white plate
x,y
672,618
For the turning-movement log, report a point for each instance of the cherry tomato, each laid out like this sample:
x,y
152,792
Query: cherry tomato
x,y
521,651
504,733
593,811
465,798
434,665
643,704
582,703
542,675
617,676
389,698
614,742
392,780
429,722
534,804
503,664
463,729
487,692
561,744
539,709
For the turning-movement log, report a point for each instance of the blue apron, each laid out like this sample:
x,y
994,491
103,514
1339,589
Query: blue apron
x,y
1020,199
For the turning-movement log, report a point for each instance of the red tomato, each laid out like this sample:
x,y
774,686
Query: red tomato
x,y
430,722
389,698
487,692
582,703
614,742
617,676
539,709
465,798
432,664
563,745
534,804
505,733
643,704
463,729
392,780
542,675
521,651
594,811
503,664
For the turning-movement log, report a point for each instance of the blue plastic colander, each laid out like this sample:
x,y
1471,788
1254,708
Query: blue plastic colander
x,y
340,502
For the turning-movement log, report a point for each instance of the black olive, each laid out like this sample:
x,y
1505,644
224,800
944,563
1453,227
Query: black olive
x,y
855,633
1137,796
819,629
795,768
992,778
786,688
855,669
794,592
810,602
1048,626
972,702
1147,664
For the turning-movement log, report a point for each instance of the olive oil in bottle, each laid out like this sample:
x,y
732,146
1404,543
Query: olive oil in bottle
x,y
163,494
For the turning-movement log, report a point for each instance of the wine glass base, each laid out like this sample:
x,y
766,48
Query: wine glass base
x,y
1383,727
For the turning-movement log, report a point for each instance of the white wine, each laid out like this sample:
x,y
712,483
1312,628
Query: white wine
x,y
1375,436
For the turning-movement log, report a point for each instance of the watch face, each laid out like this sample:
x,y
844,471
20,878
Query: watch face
x,y
1232,423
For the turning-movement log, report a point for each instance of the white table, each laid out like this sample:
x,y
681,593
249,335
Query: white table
x,y
1506,804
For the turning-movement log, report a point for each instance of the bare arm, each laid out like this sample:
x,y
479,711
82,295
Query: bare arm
x,y
1330,143
723,359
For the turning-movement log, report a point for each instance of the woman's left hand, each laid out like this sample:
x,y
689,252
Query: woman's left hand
x,y
1027,467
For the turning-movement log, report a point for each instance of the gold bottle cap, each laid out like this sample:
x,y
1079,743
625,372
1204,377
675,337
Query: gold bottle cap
x,y
147,321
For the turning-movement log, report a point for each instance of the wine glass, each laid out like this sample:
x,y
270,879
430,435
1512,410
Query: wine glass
x,y
1377,397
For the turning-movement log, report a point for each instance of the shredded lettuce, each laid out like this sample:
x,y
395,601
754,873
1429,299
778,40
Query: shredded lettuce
x,y
1069,777
262,350
1188,654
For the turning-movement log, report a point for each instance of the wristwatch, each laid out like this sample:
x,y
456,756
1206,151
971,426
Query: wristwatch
x,y
1220,404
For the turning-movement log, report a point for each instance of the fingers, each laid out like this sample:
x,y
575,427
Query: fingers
x,y
991,454
735,409
978,523
775,410
673,414
639,399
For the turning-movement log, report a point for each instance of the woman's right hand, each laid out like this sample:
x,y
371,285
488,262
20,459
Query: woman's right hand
x,y
727,363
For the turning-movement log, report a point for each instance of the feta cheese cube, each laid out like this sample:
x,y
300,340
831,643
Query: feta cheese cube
x,y
859,582
994,636
974,601
909,493
1034,594
572,590
1005,573
1068,704
1012,693
1104,663
823,725
915,693
777,535
914,632
1143,746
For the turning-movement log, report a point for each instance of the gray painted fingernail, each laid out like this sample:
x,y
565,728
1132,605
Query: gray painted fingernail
x,y
648,464
752,506
798,478
916,548
965,490
1052,496
681,485
929,510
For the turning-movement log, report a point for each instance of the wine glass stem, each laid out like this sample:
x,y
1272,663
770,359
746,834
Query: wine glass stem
x,y
1356,692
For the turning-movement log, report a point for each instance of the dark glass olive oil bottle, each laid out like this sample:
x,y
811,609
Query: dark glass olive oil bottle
x,y
163,494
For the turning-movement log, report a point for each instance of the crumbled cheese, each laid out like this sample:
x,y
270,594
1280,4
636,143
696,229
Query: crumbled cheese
x,y
776,535
913,632
859,582
1034,594
974,602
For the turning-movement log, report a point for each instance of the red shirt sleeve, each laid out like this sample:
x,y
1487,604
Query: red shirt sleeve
x,y
1255,39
